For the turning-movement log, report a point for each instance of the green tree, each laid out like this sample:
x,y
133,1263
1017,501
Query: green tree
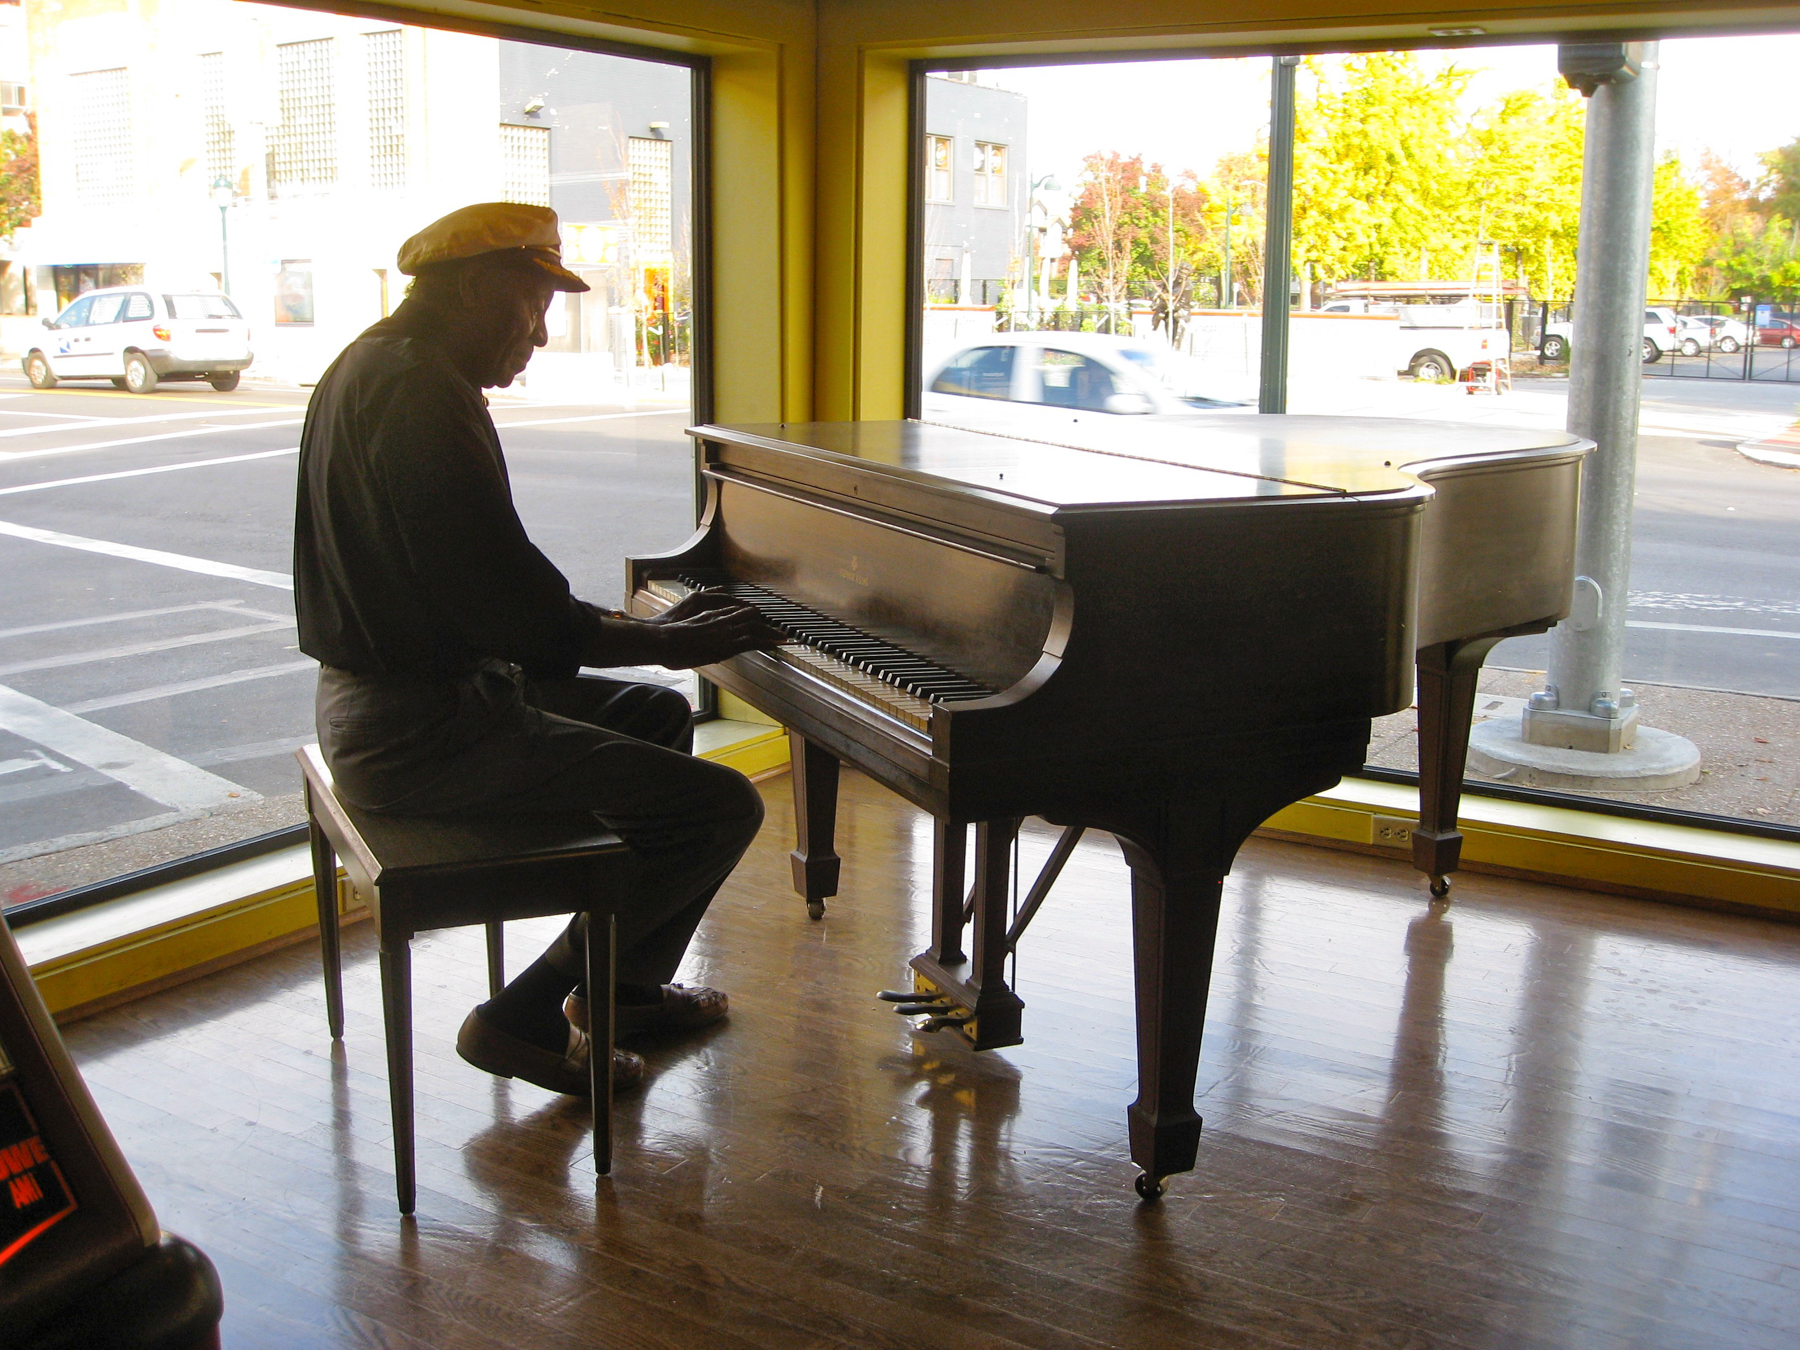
x,y
1678,233
20,202
1525,184
1380,176
1240,185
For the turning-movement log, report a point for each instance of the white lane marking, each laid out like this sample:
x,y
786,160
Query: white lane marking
x,y
205,566
13,456
146,771
594,417
37,759
162,691
142,648
139,473
33,412
1708,628
230,606
1717,604
150,420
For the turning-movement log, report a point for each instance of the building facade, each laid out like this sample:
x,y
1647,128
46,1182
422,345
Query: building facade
x,y
284,155
977,191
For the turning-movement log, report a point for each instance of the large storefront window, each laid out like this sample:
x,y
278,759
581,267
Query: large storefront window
x,y
246,174
1436,215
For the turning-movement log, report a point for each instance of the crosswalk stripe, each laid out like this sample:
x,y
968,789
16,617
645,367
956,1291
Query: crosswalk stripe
x,y
205,566
145,770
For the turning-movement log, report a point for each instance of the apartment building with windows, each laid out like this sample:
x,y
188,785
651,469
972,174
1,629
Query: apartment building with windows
x,y
285,155
977,191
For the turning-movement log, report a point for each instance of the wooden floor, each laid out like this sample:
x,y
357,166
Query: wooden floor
x,y
1540,1118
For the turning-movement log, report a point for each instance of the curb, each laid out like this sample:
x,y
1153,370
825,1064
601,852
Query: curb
x,y
1782,450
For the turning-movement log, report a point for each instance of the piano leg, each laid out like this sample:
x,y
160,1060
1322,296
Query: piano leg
x,y
1447,675
949,854
1180,849
976,983
815,861
1174,921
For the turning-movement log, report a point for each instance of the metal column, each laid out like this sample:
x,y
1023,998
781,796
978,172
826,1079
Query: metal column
x,y
1583,706
1278,238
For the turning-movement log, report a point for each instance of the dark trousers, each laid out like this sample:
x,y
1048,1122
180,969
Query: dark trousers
x,y
504,745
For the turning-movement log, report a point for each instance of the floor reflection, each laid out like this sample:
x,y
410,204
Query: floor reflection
x,y
1535,1120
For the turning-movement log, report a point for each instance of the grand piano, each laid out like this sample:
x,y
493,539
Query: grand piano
x,y
1166,631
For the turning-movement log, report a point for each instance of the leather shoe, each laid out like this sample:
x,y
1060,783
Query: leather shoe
x,y
683,1008
504,1056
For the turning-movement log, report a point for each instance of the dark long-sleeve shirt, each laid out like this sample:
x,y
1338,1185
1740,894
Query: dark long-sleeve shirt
x,y
409,556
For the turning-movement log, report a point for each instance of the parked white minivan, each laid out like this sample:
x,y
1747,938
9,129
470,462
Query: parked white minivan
x,y
137,338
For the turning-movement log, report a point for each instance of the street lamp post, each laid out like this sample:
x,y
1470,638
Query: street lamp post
x,y
1048,183
1225,273
1227,291
223,195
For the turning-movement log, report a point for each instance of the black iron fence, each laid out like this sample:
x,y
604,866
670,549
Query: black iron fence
x,y
1748,337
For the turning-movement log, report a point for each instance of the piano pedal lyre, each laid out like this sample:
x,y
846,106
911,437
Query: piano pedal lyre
x,y
938,1009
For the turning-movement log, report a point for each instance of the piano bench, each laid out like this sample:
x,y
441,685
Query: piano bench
x,y
420,873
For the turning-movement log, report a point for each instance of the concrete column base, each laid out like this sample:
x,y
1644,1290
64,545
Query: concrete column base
x,y
1656,759
1553,727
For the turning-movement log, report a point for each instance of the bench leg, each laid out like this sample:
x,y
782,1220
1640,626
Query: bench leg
x,y
331,957
602,961
396,1011
496,945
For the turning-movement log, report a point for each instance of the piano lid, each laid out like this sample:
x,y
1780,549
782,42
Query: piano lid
x,y
1121,469
1355,455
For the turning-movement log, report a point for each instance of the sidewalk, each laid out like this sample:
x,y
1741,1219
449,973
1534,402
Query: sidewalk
x,y
1781,449
1749,744
1715,408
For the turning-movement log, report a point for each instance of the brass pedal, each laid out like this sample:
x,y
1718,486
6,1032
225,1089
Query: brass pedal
x,y
958,1019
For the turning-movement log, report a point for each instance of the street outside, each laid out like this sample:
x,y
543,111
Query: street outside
x,y
151,692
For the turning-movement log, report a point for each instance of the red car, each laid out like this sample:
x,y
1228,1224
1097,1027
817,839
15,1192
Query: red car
x,y
1777,333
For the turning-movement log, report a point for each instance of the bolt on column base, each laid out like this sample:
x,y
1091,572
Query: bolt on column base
x,y
1566,730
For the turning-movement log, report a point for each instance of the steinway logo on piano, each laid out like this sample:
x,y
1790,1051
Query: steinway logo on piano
x,y
33,1194
854,573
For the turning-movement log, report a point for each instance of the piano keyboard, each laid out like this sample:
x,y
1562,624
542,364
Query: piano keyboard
x,y
872,670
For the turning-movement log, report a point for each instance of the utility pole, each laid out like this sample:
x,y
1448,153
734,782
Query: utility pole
x,y
1225,286
1278,238
1584,707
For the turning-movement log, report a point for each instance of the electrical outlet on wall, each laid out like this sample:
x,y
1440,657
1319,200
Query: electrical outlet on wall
x,y
1392,832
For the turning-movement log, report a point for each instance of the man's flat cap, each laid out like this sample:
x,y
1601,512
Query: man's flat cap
x,y
491,227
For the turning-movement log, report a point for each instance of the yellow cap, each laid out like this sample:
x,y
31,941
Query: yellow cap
x,y
491,227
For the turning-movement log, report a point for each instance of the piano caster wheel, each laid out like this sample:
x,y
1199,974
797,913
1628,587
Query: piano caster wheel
x,y
1440,887
815,909
1149,1188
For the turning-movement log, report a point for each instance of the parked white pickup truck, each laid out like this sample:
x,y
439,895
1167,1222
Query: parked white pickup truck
x,y
1440,342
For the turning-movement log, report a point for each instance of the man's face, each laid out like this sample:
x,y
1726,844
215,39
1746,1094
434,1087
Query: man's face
x,y
517,306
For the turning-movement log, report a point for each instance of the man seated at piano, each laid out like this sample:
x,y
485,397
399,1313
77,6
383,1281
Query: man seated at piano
x,y
449,646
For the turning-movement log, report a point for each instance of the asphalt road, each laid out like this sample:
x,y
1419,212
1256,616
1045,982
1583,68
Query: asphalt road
x,y
148,669
1715,570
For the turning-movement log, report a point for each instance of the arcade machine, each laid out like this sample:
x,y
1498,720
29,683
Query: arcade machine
x,y
83,1264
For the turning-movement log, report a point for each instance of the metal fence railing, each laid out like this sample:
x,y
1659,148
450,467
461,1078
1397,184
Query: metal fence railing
x,y
1747,338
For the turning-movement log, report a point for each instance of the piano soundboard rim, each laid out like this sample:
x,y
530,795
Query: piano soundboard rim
x,y
1022,504
1418,470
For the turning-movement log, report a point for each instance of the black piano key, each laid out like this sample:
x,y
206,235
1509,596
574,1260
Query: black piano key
x,y
875,656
